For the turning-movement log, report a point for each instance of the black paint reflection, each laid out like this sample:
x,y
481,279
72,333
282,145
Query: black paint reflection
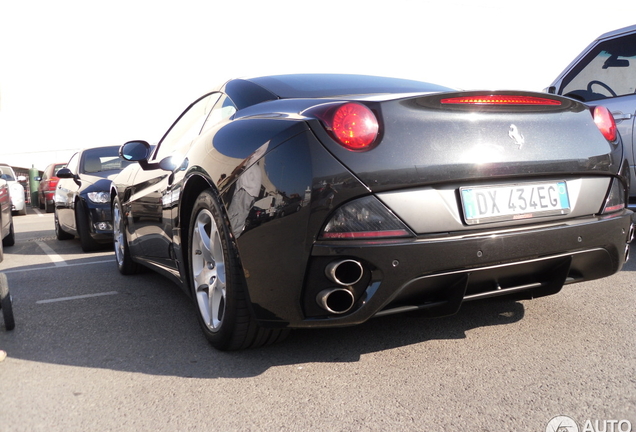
x,y
272,186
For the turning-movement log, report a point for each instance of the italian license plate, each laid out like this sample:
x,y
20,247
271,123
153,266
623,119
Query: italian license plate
x,y
498,203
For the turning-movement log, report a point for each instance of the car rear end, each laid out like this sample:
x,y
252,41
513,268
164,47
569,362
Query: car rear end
x,y
470,195
48,186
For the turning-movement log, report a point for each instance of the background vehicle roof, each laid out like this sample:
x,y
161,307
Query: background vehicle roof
x,y
617,32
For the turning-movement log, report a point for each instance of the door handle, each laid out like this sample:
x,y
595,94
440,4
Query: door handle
x,y
619,116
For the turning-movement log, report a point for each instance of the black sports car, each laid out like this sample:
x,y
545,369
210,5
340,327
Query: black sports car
x,y
411,196
82,197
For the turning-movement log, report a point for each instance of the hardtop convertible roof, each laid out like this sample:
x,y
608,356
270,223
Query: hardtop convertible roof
x,y
325,85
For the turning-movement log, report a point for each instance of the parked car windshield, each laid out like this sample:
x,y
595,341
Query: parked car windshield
x,y
607,71
102,159
6,173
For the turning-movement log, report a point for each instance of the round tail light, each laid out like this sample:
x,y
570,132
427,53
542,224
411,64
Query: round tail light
x,y
352,125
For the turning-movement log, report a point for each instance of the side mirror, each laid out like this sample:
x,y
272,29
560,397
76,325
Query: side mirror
x,y
65,173
135,151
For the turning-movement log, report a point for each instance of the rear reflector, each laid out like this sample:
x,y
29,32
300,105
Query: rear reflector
x,y
500,100
364,218
366,234
615,200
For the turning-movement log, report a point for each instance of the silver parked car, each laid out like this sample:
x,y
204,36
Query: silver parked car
x,y
605,74
16,190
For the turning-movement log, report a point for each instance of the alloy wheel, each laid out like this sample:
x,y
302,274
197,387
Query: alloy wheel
x,y
118,235
208,270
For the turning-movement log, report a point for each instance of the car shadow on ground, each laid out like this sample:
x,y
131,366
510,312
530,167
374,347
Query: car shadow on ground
x,y
149,326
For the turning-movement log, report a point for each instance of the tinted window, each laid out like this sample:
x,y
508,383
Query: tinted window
x,y
609,70
187,127
222,110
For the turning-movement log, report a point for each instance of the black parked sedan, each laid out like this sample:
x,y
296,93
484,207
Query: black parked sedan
x,y
411,197
82,197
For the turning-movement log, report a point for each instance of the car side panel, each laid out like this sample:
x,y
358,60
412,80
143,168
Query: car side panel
x,y
275,252
65,194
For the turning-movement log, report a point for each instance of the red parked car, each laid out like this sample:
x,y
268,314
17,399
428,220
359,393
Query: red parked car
x,y
48,183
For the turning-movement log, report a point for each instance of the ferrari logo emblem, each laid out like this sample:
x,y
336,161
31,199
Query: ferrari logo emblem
x,y
516,136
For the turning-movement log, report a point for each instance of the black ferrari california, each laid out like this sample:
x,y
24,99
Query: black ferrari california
x,y
302,201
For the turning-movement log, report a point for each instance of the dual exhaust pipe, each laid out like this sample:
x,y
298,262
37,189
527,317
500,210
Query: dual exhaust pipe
x,y
345,273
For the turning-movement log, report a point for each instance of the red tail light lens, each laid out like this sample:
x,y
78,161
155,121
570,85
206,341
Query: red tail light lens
x,y
605,122
353,125
500,100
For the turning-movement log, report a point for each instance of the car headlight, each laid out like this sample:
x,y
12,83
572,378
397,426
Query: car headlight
x,y
99,197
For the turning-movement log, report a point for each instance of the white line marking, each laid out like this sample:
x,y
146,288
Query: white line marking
x,y
37,211
76,297
56,266
57,260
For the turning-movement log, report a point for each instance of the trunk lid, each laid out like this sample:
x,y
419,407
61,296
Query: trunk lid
x,y
425,140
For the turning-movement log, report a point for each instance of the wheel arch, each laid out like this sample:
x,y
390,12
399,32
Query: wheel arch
x,y
193,186
78,201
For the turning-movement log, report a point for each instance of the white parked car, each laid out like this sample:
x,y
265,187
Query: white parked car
x,y
16,190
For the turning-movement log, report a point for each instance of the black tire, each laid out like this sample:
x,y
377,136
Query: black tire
x,y
48,208
217,281
59,232
83,230
5,303
10,239
124,261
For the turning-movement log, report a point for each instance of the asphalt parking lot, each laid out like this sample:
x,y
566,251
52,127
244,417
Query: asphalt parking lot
x,y
94,350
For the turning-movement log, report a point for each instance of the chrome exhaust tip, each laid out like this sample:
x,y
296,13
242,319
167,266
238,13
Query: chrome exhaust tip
x,y
344,272
627,248
336,300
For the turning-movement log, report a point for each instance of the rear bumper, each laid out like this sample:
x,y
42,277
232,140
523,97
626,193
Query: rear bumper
x,y
436,275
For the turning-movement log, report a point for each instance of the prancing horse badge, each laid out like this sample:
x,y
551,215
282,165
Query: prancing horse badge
x,y
516,136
